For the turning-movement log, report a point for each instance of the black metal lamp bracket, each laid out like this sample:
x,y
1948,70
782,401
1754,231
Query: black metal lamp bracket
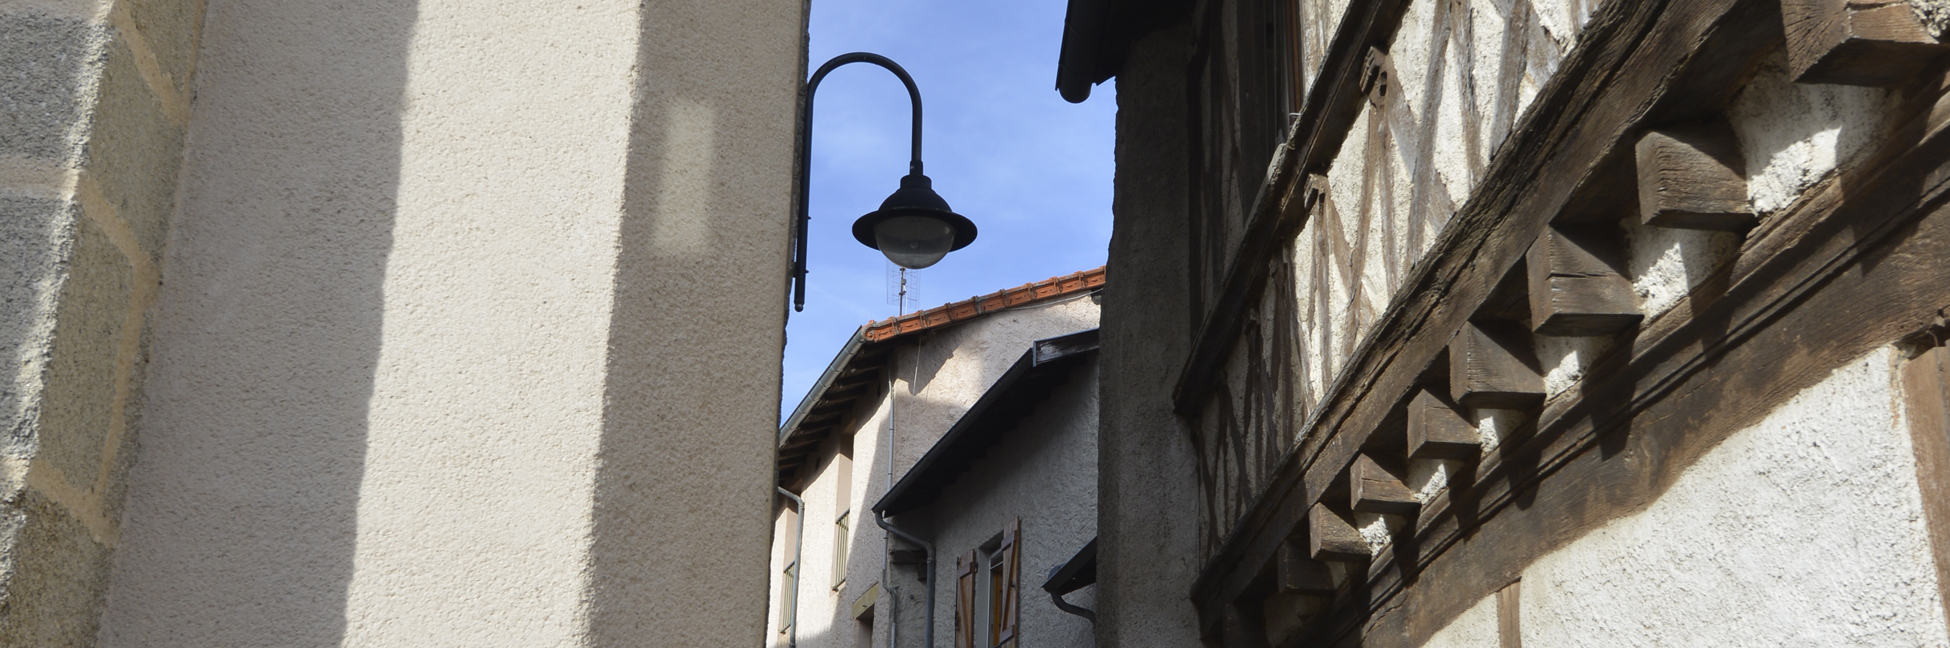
x,y
802,168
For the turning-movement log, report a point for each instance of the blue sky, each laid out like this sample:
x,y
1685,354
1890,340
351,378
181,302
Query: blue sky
x,y
1031,170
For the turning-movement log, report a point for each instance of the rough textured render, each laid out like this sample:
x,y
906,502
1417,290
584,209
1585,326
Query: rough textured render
x,y
1493,425
1824,547
91,123
1665,264
432,343
1564,359
1476,628
1427,477
52,65
1794,134
1935,15
936,381
1147,469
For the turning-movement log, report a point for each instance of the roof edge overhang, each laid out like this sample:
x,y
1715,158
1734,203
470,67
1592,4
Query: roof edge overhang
x,y
1046,363
1098,33
825,382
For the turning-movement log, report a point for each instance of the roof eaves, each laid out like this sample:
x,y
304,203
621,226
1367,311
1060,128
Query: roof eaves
x,y
825,382
1097,36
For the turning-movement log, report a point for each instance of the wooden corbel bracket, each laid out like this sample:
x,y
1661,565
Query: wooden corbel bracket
x,y
1851,42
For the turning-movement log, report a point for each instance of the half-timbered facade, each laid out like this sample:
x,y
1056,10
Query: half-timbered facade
x,y
1477,322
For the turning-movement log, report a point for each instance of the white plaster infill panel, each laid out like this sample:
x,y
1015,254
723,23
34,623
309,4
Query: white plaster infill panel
x,y
1804,530
1476,628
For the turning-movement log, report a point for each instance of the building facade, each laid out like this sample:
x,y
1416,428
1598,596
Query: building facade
x,y
374,322
948,425
1545,322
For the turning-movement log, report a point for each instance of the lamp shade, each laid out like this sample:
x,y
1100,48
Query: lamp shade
x,y
914,227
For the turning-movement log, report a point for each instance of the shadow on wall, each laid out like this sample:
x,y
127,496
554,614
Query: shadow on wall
x,y
697,329
241,517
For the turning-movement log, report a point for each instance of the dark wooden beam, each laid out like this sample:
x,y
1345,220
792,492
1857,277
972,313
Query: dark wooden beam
x,y
1437,431
1373,489
1493,364
1331,537
1693,177
1926,390
1855,43
1299,573
1575,285
1509,618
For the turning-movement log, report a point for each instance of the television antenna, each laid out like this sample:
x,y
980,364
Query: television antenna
x,y
900,287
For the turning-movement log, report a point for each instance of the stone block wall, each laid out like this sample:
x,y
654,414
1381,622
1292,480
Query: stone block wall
x,y
93,107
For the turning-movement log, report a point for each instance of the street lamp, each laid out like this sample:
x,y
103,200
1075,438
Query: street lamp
x,y
914,227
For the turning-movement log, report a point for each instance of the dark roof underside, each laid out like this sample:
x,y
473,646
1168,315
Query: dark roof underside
x,y
853,374
1098,33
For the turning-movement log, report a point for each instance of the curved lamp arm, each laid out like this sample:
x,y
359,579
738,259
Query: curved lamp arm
x,y
803,166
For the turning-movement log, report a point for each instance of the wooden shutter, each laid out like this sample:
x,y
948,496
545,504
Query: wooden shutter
x,y
1011,551
965,570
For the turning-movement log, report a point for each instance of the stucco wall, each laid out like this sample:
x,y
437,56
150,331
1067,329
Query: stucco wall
x,y
825,612
92,117
1043,473
1148,503
1823,543
934,378
470,329
1476,628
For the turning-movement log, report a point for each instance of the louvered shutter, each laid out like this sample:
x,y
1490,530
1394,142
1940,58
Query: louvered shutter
x,y
965,570
1011,551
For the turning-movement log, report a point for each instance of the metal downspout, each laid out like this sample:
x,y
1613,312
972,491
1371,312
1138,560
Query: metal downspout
x,y
886,540
1078,610
927,547
798,568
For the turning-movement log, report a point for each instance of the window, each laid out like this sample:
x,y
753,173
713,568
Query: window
x,y
840,534
842,522
998,583
988,592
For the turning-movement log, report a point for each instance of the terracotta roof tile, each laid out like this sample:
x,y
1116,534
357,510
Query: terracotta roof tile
x,y
972,307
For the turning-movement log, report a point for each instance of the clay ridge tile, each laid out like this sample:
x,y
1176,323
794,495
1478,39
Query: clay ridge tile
x,y
953,313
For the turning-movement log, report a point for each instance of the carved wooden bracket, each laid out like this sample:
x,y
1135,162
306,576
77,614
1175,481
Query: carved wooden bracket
x,y
1856,43
1575,286
1438,431
1492,364
1332,538
1374,77
1296,572
1693,177
1374,489
1315,192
